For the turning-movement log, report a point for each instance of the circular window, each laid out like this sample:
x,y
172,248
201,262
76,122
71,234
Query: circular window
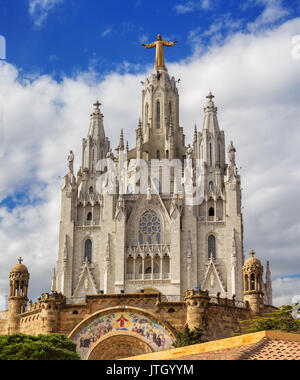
x,y
149,228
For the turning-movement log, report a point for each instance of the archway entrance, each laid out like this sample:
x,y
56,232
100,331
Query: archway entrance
x,y
136,331
119,346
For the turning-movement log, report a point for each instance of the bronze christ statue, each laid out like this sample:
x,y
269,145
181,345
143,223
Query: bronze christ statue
x,y
159,44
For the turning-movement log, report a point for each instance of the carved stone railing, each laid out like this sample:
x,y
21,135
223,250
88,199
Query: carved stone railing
x,y
148,249
147,276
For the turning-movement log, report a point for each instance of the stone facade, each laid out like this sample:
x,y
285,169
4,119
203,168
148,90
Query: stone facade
x,y
162,238
128,259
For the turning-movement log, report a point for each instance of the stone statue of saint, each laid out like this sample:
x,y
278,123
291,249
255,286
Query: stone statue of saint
x,y
231,153
110,154
159,44
189,152
71,161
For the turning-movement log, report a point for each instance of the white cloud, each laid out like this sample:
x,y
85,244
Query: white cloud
x,y
285,289
107,31
256,88
191,6
273,12
39,9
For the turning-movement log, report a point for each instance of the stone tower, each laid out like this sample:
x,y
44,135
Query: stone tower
x,y
253,283
17,301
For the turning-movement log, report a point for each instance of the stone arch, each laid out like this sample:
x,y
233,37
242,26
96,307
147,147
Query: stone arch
x,y
119,321
116,346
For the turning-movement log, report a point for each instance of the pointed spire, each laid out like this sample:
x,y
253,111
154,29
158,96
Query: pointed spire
x,y
53,282
121,146
195,135
127,146
96,129
210,120
268,272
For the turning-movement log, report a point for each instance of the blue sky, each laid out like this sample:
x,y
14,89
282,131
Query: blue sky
x,y
64,54
62,37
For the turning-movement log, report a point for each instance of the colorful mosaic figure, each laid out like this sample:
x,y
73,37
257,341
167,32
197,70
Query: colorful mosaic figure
x,y
122,321
156,335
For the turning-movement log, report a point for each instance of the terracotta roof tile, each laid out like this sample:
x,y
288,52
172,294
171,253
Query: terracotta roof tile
x,y
266,349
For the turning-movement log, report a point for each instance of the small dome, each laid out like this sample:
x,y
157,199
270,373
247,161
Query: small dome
x,y
252,260
20,267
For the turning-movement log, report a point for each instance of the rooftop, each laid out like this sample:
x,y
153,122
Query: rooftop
x,y
263,345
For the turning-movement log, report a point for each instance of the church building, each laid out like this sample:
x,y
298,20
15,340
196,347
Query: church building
x,y
151,237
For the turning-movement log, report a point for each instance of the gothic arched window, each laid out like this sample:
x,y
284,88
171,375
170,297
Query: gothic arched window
x,y
89,216
211,211
158,114
149,228
252,282
146,113
210,154
211,186
88,250
211,247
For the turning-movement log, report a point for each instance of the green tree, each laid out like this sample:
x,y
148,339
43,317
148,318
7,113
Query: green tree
x,y
42,347
280,319
188,337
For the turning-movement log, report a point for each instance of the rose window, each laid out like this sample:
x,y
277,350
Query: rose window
x,y
149,228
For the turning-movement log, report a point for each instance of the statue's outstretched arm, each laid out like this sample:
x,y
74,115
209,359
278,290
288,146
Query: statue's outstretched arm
x,y
149,46
167,43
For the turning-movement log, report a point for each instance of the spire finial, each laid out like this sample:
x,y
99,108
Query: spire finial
x,y
97,105
210,96
20,260
252,253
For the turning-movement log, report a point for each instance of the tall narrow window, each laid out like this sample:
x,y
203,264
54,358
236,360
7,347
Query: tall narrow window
x,y
146,113
170,111
211,211
157,114
210,154
88,251
93,159
89,216
252,282
211,247
158,154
